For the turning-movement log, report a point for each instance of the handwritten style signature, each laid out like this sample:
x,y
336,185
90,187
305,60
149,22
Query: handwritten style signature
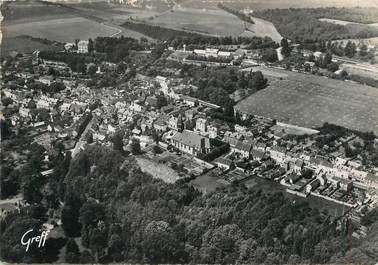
x,y
41,239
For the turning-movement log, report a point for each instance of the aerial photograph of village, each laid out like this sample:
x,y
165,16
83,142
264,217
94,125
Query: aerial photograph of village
x,y
189,132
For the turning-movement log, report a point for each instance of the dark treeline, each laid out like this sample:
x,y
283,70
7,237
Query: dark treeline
x,y
239,14
303,25
116,49
364,15
123,214
75,61
196,57
340,48
215,84
364,80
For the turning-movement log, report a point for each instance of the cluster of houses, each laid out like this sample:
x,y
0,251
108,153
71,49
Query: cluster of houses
x,y
157,105
193,131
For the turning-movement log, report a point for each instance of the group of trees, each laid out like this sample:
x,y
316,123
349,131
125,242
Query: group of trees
x,y
325,62
75,61
196,57
123,214
340,48
270,55
215,85
364,80
109,49
262,43
116,49
54,87
303,24
286,49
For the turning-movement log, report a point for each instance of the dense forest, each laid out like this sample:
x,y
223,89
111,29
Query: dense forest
x,y
122,214
117,49
303,25
215,84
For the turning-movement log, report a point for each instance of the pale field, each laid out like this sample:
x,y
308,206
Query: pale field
x,y
62,29
310,101
22,44
212,21
367,71
208,21
262,28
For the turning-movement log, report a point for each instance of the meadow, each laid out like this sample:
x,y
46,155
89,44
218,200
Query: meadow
x,y
211,21
27,44
61,29
28,11
310,101
57,23
208,21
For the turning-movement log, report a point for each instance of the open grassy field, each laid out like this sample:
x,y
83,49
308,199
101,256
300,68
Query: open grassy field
x,y
58,23
28,11
208,21
26,44
310,101
61,29
262,28
212,21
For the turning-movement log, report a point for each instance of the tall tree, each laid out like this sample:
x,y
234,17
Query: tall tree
x,y
286,50
350,49
118,141
72,251
70,215
135,146
90,45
